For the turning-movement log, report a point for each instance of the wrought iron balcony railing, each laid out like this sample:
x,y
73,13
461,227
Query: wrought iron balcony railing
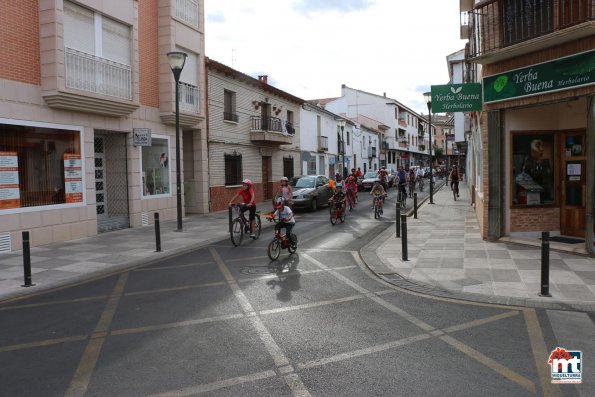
x,y
98,75
322,143
272,124
188,96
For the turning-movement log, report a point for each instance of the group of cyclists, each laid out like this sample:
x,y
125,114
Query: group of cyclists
x,y
379,191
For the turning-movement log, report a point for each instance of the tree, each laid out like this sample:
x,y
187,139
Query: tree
x,y
438,153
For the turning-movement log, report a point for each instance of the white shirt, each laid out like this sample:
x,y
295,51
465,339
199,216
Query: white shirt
x,y
419,172
284,214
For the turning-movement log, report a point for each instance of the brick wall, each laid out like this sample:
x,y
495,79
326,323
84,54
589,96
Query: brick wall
x,y
148,48
534,219
19,41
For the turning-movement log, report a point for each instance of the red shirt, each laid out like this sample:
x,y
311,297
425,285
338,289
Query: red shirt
x,y
246,194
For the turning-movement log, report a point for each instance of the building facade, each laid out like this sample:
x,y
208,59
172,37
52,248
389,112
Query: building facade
x,y
254,133
537,125
87,119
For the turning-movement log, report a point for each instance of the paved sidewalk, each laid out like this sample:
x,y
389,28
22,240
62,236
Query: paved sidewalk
x,y
448,257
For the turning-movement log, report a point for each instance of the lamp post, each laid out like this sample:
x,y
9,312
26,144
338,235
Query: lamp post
x,y
428,99
176,63
342,125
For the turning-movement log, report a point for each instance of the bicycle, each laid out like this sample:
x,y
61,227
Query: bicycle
x,y
402,196
455,190
351,199
240,226
280,241
378,200
337,212
420,184
411,187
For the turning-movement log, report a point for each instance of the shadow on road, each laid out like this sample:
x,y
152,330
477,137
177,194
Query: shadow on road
x,y
288,277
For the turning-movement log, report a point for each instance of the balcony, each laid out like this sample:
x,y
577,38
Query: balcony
x,y
421,148
403,123
188,96
228,116
403,144
501,29
371,152
271,131
322,143
187,11
403,138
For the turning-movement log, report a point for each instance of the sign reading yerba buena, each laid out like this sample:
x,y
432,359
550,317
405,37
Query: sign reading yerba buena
x,y
456,97
562,74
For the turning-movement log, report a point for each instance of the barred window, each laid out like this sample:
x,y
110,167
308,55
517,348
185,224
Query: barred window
x,y
312,166
233,169
288,167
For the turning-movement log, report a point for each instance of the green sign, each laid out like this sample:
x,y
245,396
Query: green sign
x,y
456,98
561,74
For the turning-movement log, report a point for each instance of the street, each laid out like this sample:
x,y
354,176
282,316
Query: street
x,y
225,321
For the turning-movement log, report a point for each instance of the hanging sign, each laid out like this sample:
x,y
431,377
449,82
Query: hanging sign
x,y
456,98
73,178
10,194
141,136
561,74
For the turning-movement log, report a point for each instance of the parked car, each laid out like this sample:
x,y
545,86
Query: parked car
x,y
310,191
368,180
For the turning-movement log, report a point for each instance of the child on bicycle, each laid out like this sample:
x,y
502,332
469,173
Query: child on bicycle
x,y
376,192
285,216
248,203
351,186
339,198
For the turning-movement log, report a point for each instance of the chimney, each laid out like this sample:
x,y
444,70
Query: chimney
x,y
385,94
264,78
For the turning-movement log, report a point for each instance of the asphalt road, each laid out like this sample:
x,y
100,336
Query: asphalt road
x,y
225,321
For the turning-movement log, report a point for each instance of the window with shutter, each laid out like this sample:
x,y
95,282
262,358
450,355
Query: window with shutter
x,y
190,72
115,41
79,28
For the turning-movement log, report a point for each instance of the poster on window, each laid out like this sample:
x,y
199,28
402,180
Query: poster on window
x,y
10,196
533,161
73,178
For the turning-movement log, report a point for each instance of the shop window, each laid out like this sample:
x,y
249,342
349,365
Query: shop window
x,y
233,169
156,167
39,166
533,169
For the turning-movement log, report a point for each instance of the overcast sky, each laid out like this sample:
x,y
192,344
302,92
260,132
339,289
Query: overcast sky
x,y
310,47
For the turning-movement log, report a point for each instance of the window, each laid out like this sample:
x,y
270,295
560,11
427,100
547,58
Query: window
x,y
187,11
97,52
233,169
188,85
312,165
288,167
289,127
39,166
229,106
156,167
533,169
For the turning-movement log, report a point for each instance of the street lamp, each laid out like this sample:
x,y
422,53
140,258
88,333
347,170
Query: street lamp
x,y
342,125
176,63
428,99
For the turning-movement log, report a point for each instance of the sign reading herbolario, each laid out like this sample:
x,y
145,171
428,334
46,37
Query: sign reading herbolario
x,y
73,178
456,98
569,72
10,194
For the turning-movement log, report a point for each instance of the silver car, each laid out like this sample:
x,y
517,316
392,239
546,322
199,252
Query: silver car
x,y
369,179
310,191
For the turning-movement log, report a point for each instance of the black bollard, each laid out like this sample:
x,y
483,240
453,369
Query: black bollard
x,y
404,237
230,216
157,233
414,205
398,223
27,260
545,264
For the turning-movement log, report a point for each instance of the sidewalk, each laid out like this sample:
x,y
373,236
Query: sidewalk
x,y
448,257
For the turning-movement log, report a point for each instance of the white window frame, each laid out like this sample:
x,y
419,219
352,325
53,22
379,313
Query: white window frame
x,y
163,195
81,131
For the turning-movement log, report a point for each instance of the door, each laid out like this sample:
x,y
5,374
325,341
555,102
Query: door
x,y
266,172
573,184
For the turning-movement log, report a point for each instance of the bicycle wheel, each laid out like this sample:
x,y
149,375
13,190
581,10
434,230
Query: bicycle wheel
x,y
274,249
293,244
257,227
237,232
334,216
342,217
454,193
376,215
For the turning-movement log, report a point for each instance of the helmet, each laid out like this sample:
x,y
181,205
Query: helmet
x,y
247,182
339,184
279,202
284,178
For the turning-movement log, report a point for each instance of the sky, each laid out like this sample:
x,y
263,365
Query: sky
x,y
309,48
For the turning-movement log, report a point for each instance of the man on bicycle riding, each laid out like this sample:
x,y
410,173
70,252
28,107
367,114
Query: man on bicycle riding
x,y
454,179
339,198
401,180
376,192
285,216
248,203
351,186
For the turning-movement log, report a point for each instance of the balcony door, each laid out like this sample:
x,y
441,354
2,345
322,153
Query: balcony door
x,y
265,116
573,184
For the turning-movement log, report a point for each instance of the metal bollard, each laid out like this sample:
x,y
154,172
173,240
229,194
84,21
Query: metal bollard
x,y
27,260
404,237
414,205
157,233
545,264
398,223
230,216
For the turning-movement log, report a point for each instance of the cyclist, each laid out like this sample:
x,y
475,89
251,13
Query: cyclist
x,y
339,197
383,176
454,179
351,187
401,180
378,191
412,180
419,176
285,215
285,191
248,203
